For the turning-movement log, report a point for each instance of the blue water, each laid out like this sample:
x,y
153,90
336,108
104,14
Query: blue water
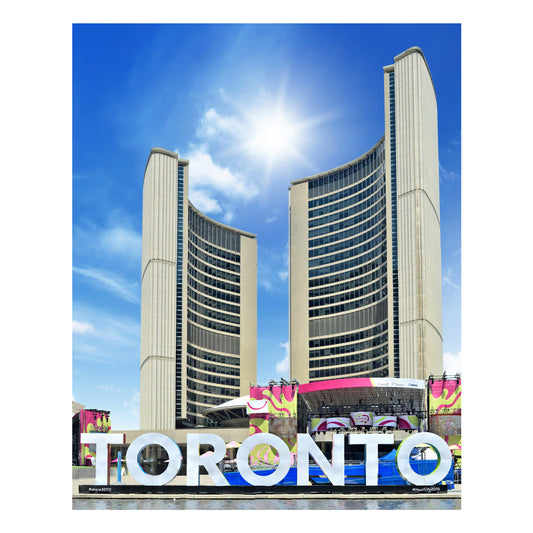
x,y
355,474
315,504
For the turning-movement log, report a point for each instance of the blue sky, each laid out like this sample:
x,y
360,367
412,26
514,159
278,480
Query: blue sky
x,y
207,91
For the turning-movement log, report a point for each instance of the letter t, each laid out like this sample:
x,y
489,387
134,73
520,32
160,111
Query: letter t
x,y
102,440
371,443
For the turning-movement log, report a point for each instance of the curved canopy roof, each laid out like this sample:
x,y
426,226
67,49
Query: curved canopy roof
x,y
377,394
230,410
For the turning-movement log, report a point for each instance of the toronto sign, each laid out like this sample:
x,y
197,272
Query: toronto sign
x,y
306,446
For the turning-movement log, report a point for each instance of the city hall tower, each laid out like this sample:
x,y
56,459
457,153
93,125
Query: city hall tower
x,y
365,259
198,303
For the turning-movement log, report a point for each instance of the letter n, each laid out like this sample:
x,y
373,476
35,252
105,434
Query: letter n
x,y
334,471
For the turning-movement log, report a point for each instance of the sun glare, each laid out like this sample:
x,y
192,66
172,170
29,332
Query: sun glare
x,y
275,135
272,136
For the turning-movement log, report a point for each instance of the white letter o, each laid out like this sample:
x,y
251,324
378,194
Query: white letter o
x,y
245,449
138,445
443,465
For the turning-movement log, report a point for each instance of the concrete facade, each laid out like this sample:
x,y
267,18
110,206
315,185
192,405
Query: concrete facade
x,y
419,252
198,303
365,272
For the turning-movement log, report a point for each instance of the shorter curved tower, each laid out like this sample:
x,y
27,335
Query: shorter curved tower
x,y
198,303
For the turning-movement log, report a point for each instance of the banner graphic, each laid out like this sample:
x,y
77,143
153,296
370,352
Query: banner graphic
x,y
361,418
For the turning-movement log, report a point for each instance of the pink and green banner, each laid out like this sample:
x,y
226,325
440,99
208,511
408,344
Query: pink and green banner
x,y
384,421
318,424
408,422
338,422
445,397
92,422
445,407
272,410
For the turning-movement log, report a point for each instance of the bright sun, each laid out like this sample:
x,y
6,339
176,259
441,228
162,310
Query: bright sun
x,y
273,135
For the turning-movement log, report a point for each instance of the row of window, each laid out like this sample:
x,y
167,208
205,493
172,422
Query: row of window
x,y
214,282
375,343
210,367
326,259
212,389
348,285
209,291
351,295
179,286
350,274
348,306
211,313
214,272
348,175
213,378
330,269
210,401
394,240
378,228
341,239
217,326
214,233
369,200
213,357
348,197
357,320
381,363
209,248
213,304
215,261
350,337
348,223
212,340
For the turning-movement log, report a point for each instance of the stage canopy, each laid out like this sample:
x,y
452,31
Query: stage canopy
x,y
379,395
230,413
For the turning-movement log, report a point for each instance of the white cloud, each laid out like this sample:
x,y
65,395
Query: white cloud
x,y
213,124
82,327
125,290
282,367
113,242
204,202
228,217
452,363
120,240
205,173
115,337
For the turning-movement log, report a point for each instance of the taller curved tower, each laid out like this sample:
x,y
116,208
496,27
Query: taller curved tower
x,y
365,289
198,303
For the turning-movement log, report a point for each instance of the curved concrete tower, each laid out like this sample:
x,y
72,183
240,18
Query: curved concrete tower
x,y
365,273
198,303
